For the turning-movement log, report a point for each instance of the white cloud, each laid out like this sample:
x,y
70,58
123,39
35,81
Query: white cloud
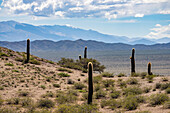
x,y
159,32
139,15
110,9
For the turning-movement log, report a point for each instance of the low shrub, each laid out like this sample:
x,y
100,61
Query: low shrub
x,y
147,89
45,103
165,86
130,103
79,85
132,91
143,75
63,75
158,85
157,99
166,105
66,98
115,94
56,85
36,62
168,90
64,69
108,82
23,93
97,79
99,94
112,104
107,74
9,64
132,81
121,75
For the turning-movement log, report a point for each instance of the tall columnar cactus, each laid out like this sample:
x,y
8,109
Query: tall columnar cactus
x,y
133,61
28,50
149,69
85,52
90,82
79,57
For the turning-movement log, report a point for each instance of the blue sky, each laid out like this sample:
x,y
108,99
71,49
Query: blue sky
x,y
131,18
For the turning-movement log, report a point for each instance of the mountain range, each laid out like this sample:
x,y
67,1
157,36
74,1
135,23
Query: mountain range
x,y
15,31
78,45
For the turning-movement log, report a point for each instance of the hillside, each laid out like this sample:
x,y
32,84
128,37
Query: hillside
x,y
67,45
29,88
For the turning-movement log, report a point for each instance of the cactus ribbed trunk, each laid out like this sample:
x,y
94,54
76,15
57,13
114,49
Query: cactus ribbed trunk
x,y
90,83
79,57
149,69
28,50
133,61
85,52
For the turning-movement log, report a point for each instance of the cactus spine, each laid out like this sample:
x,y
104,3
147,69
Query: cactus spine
x,y
133,61
90,82
85,52
149,69
28,50
79,57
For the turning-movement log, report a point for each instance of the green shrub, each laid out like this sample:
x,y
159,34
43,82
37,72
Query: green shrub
x,y
97,87
8,110
121,75
42,86
19,59
143,112
97,79
164,79
66,98
79,85
15,101
3,54
45,103
84,108
36,62
143,75
150,78
168,90
81,64
121,83
9,64
157,99
132,81
132,91
49,61
165,86
166,105
23,93
1,101
135,74
158,85
70,81
99,94
130,103
1,88
107,74
108,82
63,75
56,85
115,94
112,104
26,102
146,89
64,69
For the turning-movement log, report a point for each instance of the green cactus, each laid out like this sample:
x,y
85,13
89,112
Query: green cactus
x,y
28,50
90,82
133,61
149,69
79,57
85,52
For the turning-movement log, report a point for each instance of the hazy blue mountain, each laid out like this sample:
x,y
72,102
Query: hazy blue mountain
x,y
14,31
78,45
163,40
142,41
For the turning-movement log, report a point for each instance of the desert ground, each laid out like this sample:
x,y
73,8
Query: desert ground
x,y
43,86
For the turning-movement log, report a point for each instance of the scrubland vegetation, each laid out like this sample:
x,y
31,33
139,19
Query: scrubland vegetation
x,y
43,86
